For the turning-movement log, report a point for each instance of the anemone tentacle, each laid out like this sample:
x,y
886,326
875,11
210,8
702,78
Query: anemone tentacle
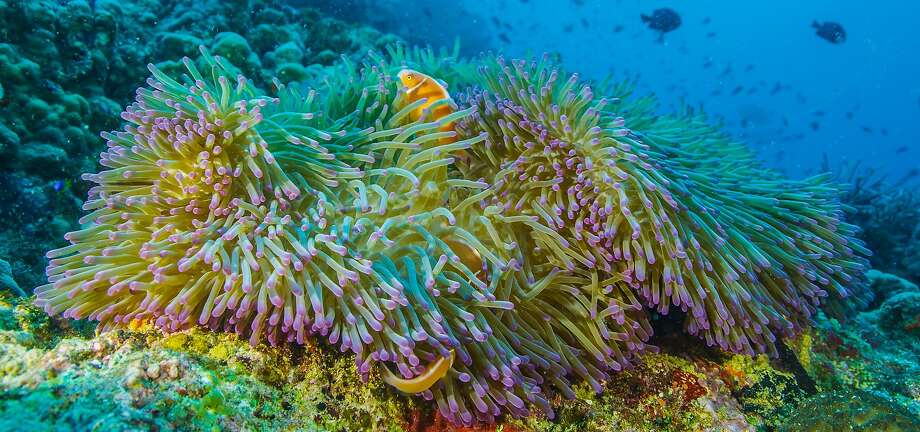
x,y
490,282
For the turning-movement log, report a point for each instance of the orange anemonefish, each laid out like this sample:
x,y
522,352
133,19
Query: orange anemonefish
x,y
425,380
420,86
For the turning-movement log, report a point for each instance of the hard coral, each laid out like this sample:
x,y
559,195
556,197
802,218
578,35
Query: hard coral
x,y
522,247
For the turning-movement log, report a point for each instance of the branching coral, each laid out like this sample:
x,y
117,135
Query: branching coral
x,y
334,213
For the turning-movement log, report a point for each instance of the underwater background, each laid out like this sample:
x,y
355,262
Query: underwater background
x,y
770,75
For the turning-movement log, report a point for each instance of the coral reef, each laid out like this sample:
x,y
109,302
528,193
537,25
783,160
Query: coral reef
x,y
68,67
198,380
195,380
852,411
888,212
334,212
877,350
7,283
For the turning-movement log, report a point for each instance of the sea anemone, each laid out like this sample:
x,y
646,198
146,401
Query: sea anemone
x,y
491,266
274,219
669,207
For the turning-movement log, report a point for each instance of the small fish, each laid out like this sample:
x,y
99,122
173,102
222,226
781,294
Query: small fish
x,y
819,113
706,20
884,131
737,90
749,68
711,34
785,122
778,87
662,20
504,37
419,86
902,149
618,28
830,31
584,22
815,125
427,12
568,28
849,115
496,21
423,381
57,185
866,129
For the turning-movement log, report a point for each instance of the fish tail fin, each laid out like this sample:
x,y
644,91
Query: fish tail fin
x,y
645,18
815,24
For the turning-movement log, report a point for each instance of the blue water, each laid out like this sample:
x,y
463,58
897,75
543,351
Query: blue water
x,y
856,101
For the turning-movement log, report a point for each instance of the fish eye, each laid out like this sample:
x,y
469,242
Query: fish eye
x,y
409,77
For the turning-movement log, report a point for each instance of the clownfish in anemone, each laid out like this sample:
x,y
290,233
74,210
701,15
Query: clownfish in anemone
x,y
419,86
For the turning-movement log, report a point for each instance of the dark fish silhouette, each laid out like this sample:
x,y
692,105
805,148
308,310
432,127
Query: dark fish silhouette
x,y
706,21
749,68
849,115
618,28
902,149
662,20
866,129
711,34
830,31
737,90
585,23
568,28
884,131
504,38
815,125
778,87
